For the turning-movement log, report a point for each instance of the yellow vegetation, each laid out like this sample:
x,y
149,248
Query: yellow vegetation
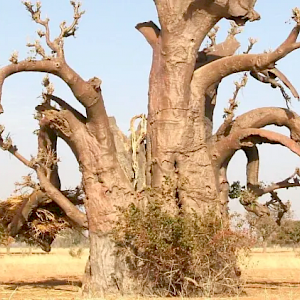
x,y
57,275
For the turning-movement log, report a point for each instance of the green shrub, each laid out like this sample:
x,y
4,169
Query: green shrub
x,y
173,253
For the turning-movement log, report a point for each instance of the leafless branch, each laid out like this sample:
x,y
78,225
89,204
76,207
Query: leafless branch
x,y
223,67
35,11
212,35
233,104
252,42
7,145
278,206
136,143
43,164
39,50
26,183
264,116
218,51
225,148
269,76
56,45
66,106
150,31
66,205
290,181
67,31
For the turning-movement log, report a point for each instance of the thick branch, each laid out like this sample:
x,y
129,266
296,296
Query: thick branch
x,y
66,106
64,203
252,166
224,49
226,66
150,31
171,13
63,122
225,148
71,210
47,142
265,116
86,92
269,76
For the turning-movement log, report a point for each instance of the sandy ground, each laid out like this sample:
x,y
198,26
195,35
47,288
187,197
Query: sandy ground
x,y
57,275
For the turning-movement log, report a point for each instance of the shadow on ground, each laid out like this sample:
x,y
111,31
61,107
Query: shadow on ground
x,y
53,284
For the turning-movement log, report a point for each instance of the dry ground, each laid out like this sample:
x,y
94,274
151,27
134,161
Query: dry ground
x,y
271,275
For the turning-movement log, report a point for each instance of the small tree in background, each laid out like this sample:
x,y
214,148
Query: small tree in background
x,y
288,234
264,228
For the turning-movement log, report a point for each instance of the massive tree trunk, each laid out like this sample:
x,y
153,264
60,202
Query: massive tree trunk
x,y
104,272
179,145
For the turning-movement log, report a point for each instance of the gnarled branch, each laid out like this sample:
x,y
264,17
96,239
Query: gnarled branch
x,y
269,76
217,51
291,181
225,148
57,44
63,202
226,66
264,116
48,183
64,105
81,89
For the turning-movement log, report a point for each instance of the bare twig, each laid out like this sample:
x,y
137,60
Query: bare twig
x,y
67,31
57,45
252,42
7,145
212,35
233,104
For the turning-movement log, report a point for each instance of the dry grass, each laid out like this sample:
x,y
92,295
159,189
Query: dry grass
x,y
54,275
57,275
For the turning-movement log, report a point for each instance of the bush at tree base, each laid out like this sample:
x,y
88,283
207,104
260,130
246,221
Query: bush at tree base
x,y
174,253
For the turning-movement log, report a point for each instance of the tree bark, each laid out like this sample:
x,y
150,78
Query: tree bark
x,y
180,149
176,133
104,271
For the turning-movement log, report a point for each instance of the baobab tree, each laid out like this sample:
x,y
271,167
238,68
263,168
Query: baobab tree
x,y
175,141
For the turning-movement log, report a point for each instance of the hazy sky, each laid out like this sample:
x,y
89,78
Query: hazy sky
x,y
108,46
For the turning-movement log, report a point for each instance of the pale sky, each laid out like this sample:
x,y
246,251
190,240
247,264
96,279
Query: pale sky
x,y
108,46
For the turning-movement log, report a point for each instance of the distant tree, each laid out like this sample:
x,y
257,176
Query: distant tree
x,y
288,234
264,228
69,238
